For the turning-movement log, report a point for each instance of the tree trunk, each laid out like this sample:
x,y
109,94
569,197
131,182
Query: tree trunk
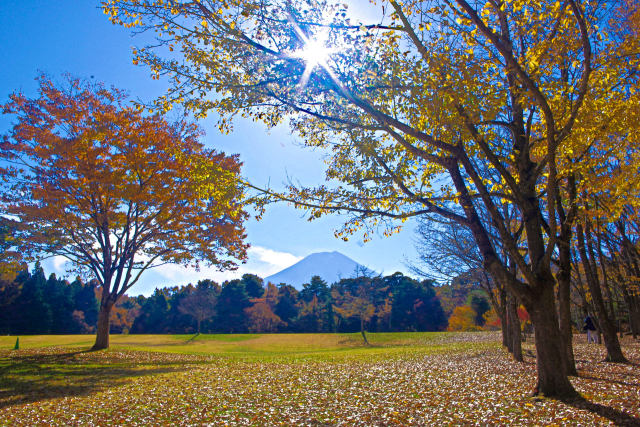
x,y
564,306
553,380
634,322
538,294
515,337
505,328
364,335
102,333
634,313
607,328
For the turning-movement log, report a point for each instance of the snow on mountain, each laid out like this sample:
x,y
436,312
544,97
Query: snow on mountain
x,y
331,266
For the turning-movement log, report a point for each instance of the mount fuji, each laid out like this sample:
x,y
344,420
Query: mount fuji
x,y
330,266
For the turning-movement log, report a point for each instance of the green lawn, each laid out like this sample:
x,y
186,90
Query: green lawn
x,y
259,346
308,379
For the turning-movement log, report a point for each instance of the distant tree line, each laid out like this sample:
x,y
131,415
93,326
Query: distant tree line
x,y
33,304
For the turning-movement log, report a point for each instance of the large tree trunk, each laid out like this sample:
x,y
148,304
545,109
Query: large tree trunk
x,y
513,325
564,306
538,294
553,380
607,327
102,334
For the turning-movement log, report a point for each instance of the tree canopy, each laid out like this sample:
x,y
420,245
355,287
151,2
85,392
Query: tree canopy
x,y
91,178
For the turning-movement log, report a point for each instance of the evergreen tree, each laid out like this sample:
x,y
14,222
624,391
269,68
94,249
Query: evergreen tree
x,y
232,301
415,305
60,301
85,301
480,305
254,285
154,313
287,305
9,292
34,311
316,301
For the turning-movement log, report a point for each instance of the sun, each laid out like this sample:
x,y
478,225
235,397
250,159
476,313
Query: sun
x,y
315,53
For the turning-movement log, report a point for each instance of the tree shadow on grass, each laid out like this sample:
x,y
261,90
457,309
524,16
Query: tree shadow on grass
x,y
27,378
609,380
619,417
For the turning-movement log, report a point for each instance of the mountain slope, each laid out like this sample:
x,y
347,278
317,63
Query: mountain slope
x,y
331,266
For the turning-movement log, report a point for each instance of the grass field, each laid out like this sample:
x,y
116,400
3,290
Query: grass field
x,y
301,379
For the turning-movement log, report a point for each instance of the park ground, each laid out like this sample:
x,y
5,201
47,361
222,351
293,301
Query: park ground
x,y
303,379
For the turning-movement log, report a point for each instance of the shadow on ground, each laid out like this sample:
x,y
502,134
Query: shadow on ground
x,y
33,377
619,417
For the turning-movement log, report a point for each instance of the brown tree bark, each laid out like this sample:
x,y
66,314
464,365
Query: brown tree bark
x,y
362,331
102,332
537,293
564,306
553,378
607,327
564,274
505,329
513,323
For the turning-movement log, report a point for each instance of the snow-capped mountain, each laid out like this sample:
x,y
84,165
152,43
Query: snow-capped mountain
x,y
331,266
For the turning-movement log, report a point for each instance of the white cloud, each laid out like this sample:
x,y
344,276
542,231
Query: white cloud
x,y
271,261
261,261
59,264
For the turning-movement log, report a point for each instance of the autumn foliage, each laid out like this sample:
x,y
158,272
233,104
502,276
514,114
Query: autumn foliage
x,y
462,319
93,179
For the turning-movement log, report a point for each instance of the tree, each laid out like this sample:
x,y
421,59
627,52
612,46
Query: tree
x,y
439,107
199,304
254,285
287,305
358,303
261,315
315,298
87,304
91,178
154,313
32,305
480,306
448,250
463,319
59,296
232,302
415,305
10,259
311,316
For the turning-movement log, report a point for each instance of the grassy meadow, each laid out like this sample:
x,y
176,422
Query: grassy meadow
x,y
302,379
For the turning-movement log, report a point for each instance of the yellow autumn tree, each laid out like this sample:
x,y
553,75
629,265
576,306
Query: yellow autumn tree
x,y
462,319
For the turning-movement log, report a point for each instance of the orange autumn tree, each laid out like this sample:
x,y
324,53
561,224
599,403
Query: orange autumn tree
x,y
462,319
94,180
261,315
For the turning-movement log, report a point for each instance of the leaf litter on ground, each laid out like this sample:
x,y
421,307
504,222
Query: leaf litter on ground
x,y
455,379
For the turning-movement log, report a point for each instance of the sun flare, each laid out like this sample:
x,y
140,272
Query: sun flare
x,y
315,52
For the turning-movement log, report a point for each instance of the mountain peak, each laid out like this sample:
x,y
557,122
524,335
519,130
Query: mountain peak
x,y
330,266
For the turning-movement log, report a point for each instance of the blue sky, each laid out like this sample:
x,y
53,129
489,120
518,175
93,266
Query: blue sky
x,y
74,36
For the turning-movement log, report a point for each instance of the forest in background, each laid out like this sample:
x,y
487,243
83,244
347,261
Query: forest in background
x,y
35,304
